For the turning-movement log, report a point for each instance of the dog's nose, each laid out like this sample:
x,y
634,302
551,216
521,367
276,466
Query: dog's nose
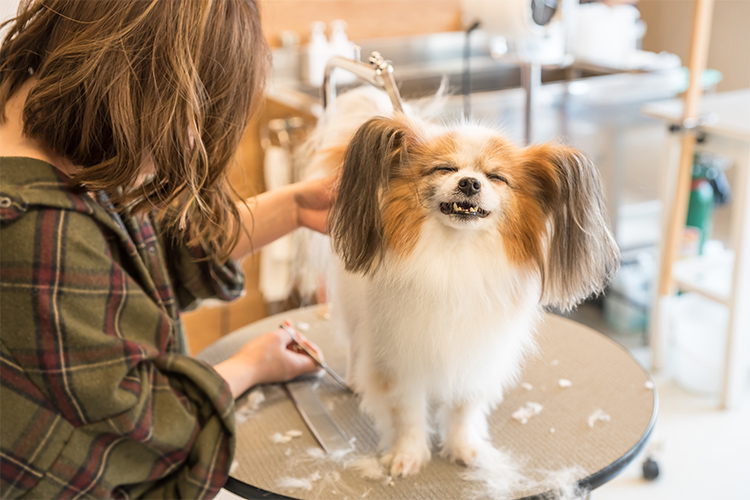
x,y
469,186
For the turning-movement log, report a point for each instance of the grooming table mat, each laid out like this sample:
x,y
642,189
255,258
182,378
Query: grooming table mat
x,y
603,377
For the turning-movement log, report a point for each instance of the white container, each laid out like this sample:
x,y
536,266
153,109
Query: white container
x,y
341,46
607,35
318,51
699,331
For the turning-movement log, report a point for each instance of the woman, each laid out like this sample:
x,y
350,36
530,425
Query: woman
x,y
118,122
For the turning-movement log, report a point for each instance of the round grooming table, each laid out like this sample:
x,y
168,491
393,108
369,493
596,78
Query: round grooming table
x,y
604,379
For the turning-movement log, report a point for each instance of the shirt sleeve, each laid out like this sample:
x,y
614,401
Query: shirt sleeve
x,y
93,405
198,274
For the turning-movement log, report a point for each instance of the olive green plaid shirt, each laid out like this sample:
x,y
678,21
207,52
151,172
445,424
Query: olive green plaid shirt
x,y
99,398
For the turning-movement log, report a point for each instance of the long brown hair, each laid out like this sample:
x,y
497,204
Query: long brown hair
x,y
127,84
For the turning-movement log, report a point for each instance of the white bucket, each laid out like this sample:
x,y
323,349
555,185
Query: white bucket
x,y
699,331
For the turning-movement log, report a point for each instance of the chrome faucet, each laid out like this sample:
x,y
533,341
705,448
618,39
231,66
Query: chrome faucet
x,y
378,72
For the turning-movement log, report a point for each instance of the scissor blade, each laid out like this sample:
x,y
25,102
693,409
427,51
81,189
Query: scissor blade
x,y
293,333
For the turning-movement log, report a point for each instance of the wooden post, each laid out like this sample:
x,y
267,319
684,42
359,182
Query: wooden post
x,y
702,15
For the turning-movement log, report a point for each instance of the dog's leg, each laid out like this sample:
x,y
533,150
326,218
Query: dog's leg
x,y
345,297
351,362
410,448
466,435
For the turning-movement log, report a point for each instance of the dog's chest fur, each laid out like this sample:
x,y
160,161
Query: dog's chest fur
x,y
453,312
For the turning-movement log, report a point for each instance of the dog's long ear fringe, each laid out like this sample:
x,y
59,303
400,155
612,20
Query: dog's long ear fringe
x,y
355,223
582,255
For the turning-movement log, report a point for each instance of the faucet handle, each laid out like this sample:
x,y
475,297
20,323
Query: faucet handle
x,y
377,60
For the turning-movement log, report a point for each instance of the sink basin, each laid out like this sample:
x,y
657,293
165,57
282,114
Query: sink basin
x,y
421,63
415,84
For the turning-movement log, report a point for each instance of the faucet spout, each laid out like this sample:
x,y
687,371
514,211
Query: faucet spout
x,y
378,72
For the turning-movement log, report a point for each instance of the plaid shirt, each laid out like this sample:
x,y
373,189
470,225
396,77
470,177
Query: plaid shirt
x,y
98,396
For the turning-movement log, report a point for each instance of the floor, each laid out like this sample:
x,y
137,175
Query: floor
x,y
702,452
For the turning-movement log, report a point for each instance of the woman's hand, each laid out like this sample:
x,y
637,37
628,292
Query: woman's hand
x,y
272,357
313,199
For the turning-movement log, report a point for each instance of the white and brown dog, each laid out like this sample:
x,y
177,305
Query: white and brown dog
x,y
450,241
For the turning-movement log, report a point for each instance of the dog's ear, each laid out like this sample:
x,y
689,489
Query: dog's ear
x,y
581,254
373,157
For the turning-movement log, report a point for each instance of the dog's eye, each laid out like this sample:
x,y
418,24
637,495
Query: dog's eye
x,y
497,177
445,168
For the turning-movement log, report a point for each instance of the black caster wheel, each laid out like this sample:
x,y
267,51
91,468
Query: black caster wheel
x,y
650,469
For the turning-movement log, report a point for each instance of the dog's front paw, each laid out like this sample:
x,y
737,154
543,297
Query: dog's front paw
x,y
464,451
406,460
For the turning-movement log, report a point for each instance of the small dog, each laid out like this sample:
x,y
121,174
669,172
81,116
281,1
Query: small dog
x,y
450,242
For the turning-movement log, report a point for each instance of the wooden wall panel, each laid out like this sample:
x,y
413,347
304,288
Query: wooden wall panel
x,y
668,25
366,18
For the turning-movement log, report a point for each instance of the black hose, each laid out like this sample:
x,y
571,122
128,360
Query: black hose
x,y
466,83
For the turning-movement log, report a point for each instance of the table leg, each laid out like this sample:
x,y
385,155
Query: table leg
x,y
658,327
735,366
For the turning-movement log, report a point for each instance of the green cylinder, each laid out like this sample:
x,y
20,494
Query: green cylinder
x,y
701,209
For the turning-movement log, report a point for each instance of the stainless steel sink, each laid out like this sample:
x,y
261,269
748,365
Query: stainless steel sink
x,y
418,84
422,63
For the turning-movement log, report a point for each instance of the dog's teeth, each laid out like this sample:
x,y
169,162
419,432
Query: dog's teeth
x,y
455,207
473,209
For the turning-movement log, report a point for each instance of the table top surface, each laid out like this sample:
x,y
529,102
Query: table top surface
x,y
603,377
727,113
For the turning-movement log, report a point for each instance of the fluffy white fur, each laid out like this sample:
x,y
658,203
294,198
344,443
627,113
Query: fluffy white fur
x,y
425,330
443,328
